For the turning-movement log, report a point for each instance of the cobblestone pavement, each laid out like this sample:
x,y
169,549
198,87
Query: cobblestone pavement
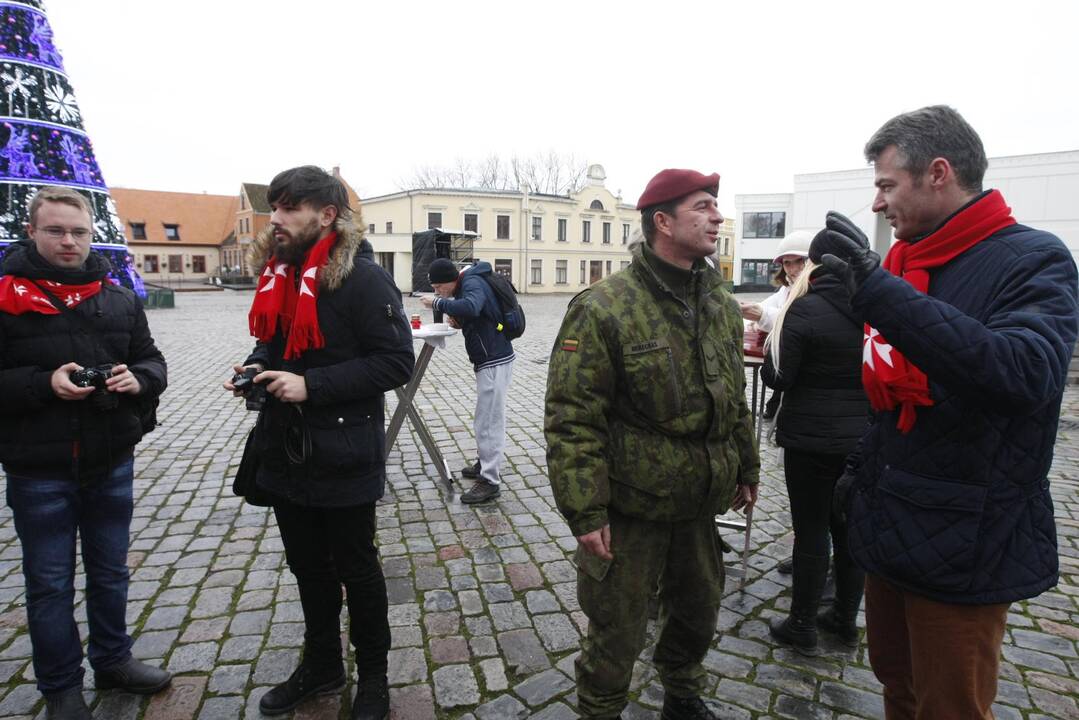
x,y
482,600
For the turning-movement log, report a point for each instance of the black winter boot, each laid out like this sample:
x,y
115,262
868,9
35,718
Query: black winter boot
x,y
688,708
799,629
306,682
840,619
67,705
372,700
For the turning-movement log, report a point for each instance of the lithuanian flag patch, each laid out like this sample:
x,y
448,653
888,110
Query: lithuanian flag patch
x,y
570,345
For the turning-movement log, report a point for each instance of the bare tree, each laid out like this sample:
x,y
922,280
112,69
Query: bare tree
x,y
550,173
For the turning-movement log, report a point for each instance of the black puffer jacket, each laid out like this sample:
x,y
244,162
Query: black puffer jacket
x,y
39,431
368,351
824,408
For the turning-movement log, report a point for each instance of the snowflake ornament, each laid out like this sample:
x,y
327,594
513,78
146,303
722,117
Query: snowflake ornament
x,y
61,103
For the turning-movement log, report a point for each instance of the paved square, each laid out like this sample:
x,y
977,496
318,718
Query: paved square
x,y
482,600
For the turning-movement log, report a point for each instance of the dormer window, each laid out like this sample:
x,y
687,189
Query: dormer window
x,y
596,205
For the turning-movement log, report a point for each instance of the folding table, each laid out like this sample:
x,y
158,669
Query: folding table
x,y
433,336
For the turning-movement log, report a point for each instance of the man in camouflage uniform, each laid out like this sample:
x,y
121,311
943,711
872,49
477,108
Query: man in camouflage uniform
x,y
649,437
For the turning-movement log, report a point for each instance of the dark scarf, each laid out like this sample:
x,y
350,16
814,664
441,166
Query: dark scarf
x,y
889,378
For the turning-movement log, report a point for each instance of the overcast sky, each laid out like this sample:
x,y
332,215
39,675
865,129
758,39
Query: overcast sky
x,y
201,96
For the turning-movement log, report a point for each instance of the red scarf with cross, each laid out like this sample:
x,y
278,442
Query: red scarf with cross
x,y
19,295
889,378
280,298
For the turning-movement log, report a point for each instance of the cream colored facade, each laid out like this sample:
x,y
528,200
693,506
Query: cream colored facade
x,y
724,256
545,243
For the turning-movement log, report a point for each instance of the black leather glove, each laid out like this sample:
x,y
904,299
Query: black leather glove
x,y
847,253
841,494
829,241
841,224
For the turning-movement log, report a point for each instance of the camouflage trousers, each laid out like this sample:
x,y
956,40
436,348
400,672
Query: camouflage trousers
x,y
685,561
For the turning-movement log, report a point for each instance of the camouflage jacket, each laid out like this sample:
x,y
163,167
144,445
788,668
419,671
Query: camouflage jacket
x,y
646,410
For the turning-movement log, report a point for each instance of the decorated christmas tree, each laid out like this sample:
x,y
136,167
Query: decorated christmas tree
x,y
42,140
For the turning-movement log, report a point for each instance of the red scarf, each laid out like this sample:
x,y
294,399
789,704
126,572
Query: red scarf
x,y
889,378
19,295
278,298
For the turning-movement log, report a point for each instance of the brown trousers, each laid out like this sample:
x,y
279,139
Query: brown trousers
x,y
937,661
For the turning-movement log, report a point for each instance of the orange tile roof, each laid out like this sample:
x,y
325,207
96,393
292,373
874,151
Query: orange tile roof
x,y
202,219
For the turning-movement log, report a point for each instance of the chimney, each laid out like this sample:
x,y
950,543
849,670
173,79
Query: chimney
x,y
337,171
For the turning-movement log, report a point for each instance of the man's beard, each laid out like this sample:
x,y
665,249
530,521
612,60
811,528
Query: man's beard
x,y
293,248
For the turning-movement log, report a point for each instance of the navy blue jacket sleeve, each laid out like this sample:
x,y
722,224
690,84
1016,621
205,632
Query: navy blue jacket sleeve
x,y
1015,361
470,304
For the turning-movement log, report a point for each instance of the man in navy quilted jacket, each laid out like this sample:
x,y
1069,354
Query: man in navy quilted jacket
x,y
970,324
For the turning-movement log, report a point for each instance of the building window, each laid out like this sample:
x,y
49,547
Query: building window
x,y
176,263
537,272
606,233
243,202
624,264
505,268
537,229
434,220
726,246
596,205
608,267
389,227
625,233
138,231
757,272
149,265
563,229
472,222
371,228
172,232
764,224
561,274
247,225
584,269
198,263
586,231
503,227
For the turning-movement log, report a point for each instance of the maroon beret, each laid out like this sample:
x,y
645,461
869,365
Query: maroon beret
x,y
672,183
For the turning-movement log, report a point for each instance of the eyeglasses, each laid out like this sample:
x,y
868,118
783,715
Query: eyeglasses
x,y
58,232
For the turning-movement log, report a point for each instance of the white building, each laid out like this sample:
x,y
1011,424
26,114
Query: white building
x,y
543,243
1042,190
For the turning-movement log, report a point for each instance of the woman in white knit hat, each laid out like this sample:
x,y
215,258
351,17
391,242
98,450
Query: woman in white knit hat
x,y
791,258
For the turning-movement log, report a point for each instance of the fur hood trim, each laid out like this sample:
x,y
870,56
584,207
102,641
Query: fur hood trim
x,y
350,238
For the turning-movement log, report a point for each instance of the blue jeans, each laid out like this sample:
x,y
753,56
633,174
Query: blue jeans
x,y
48,514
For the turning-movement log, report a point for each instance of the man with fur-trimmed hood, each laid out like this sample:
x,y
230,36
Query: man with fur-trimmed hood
x,y
332,338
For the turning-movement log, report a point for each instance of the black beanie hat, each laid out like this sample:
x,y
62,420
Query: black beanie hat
x,y
442,270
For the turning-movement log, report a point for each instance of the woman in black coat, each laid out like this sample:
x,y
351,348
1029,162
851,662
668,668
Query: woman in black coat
x,y
814,355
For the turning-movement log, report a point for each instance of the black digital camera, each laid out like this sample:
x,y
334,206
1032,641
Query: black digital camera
x,y
253,392
95,377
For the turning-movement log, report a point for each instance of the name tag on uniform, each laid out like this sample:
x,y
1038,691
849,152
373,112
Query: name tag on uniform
x,y
645,346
